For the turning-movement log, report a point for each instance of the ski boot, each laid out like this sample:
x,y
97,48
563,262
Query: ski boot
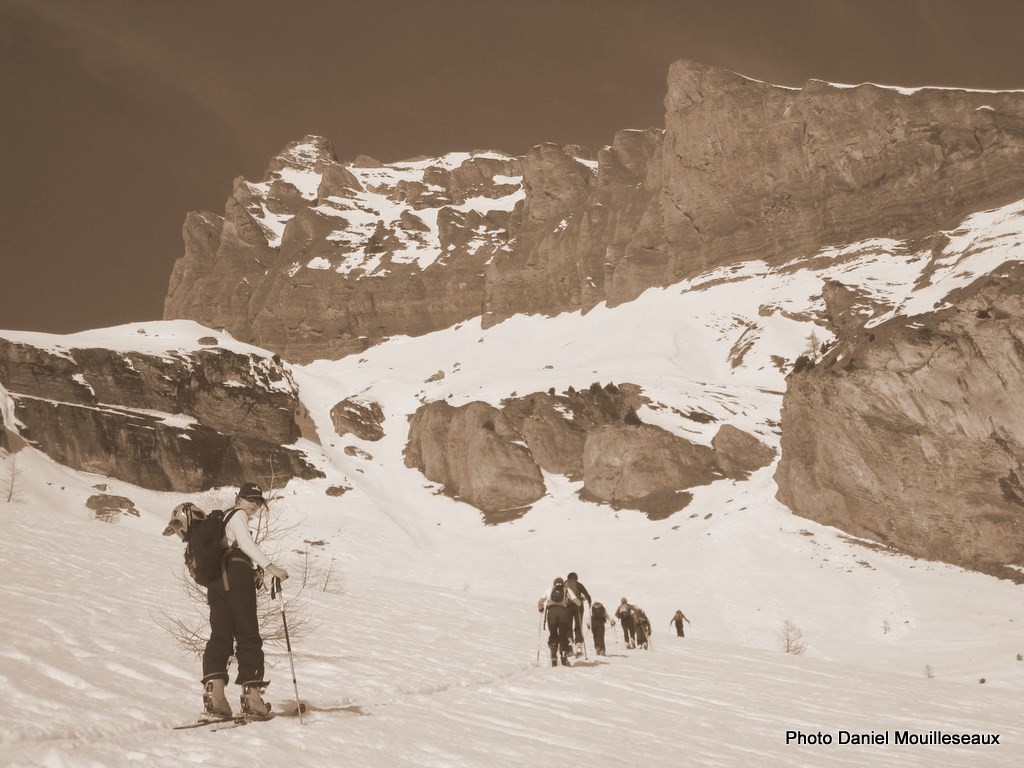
x,y
253,705
215,703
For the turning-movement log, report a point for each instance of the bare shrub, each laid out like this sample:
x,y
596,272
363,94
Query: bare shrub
x,y
10,477
792,638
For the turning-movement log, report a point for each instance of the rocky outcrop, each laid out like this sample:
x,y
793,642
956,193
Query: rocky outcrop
x,y
491,457
555,427
110,508
644,467
182,422
847,308
738,453
910,433
476,455
353,417
311,263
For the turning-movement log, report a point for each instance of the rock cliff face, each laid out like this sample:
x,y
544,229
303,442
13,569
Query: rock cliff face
x,y
322,259
911,433
166,422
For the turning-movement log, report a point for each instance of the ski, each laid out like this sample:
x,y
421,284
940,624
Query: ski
x,y
234,723
203,723
224,723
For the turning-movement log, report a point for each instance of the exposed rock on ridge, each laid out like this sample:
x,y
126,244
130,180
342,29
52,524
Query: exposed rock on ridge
x,y
323,259
166,422
492,458
364,420
910,433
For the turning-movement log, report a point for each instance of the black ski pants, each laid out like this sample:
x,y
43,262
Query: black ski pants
x,y
598,630
577,622
559,627
234,626
640,633
679,628
628,630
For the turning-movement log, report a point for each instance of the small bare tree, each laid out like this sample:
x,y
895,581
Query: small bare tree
x,y
10,477
813,345
792,638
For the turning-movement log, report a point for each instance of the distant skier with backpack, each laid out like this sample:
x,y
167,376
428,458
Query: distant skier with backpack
x,y
642,628
557,604
624,613
598,618
678,620
230,582
572,581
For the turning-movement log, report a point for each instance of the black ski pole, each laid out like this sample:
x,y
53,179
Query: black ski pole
x,y
540,630
275,590
583,634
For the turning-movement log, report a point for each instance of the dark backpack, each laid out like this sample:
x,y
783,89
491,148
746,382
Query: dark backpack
x,y
558,594
205,551
598,613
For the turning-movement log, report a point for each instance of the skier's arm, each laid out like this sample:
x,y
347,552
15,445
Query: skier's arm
x,y
238,529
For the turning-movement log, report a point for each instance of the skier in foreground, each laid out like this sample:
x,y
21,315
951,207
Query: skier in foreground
x,y
234,624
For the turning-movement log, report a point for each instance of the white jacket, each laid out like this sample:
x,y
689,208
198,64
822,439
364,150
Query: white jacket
x,y
236,532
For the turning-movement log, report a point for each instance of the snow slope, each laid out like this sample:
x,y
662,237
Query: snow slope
x,y
417,634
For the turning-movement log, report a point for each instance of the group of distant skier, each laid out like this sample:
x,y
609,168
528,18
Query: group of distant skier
x,y
564,615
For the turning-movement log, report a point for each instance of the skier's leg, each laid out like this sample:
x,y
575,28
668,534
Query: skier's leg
x,y
553,639
221,643
241,599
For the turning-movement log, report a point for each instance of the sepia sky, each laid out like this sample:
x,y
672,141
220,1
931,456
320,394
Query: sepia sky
x,y
119,116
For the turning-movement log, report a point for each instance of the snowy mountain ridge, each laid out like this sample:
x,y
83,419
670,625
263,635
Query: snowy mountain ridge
x,y
742,170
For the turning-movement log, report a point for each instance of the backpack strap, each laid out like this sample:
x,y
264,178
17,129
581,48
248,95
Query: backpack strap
x,y
227,552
